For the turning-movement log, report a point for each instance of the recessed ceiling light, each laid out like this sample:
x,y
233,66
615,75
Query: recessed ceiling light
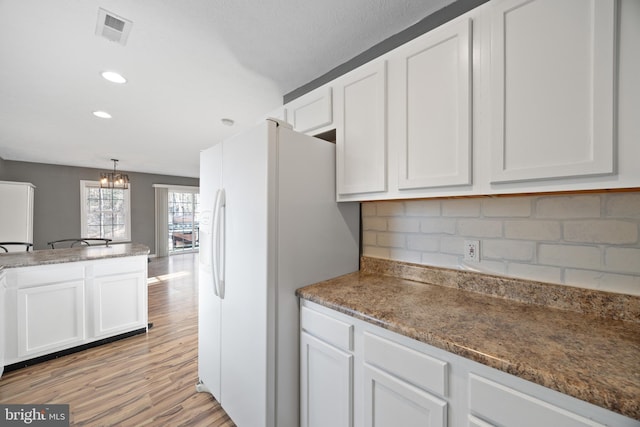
x,y
102,114
227,122
113,77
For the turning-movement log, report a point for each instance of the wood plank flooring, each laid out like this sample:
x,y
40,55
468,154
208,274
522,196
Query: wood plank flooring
x,y
145,380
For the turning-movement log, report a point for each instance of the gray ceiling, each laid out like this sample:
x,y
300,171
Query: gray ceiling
x,y
189,63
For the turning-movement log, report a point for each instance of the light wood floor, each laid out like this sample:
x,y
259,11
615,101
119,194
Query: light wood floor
x,y
145,380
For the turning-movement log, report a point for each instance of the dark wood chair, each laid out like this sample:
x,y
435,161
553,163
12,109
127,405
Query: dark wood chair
x,y
3,245
80,241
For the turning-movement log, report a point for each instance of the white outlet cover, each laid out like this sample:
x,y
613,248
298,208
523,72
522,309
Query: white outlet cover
x,y
472,250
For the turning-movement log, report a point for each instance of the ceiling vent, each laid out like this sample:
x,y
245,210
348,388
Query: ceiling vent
x,y
113,27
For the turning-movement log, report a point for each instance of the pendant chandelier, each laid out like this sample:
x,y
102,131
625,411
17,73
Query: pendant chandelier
x,y
114,179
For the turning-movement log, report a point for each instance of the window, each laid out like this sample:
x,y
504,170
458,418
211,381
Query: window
x,y
105,212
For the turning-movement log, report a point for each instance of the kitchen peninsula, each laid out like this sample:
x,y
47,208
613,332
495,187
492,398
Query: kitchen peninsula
x,y
459,345
58,300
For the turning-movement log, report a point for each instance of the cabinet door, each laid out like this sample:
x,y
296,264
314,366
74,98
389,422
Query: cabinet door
x,y
50,317
326,384
390,402
553,81
311,111
361,137
119,304
16,214
435,149
3,310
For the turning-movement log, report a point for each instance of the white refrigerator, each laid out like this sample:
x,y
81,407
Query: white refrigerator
x,y
269,225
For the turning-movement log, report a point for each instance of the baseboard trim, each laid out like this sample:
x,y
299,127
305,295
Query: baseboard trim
x,y
65,352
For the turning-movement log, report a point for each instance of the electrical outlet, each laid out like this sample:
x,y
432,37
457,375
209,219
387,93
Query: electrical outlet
x,y
472,250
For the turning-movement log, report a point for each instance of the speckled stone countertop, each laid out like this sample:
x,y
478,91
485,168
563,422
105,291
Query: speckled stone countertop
x,y
580,342
57,256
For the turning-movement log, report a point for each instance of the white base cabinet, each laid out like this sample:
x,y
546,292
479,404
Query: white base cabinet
x,y
50,308
390,401
326,371
402,386
327,377
390,380
50,317
119,297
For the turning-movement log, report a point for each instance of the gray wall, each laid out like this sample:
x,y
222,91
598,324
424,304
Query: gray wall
x,y
57,199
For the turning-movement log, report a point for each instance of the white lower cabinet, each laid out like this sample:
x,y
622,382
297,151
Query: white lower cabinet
x,y
357,374
326,378
390,401
50,308
119,303
50,317
401,385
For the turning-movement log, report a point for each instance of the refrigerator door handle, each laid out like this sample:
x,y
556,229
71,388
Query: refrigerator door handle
x,y
206,244
221,241
215,256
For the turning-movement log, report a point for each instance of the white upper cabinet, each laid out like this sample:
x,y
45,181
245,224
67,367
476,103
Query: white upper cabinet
x,y
552,89
514,96
435,137
312,112
361,134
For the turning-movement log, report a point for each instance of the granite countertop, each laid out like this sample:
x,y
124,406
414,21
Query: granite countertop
x,y
589,350
57,256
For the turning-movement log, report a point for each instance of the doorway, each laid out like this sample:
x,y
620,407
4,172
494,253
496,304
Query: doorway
x,y
177,219
183,209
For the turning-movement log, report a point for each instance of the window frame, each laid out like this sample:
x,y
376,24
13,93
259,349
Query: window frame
x,y
84,211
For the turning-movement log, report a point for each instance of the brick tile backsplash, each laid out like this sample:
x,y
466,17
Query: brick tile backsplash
x,y
584,240
601,231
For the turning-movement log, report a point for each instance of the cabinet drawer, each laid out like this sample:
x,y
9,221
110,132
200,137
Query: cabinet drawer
x,y
34,276
333,331
505,406
412,366
118,266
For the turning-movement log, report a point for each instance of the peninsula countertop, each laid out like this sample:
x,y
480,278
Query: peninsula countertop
x,y
580,342
58,256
